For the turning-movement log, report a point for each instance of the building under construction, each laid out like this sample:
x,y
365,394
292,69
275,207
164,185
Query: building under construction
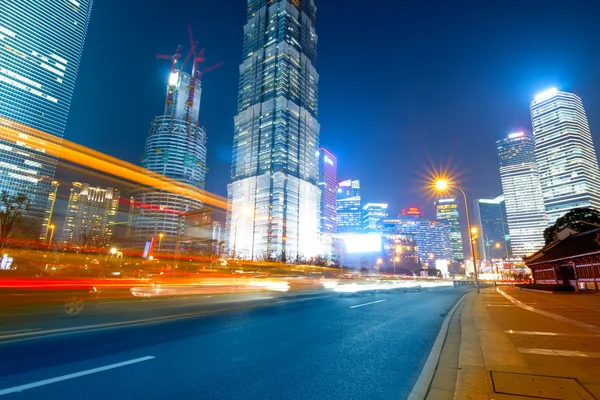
x,y
175,149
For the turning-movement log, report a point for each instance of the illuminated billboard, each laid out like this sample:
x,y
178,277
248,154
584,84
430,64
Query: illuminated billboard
x,y
367,243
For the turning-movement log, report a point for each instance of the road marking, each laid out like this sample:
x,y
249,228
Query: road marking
x,y
366,304
500,305
549,314
19,331
21,388
553,352
534,333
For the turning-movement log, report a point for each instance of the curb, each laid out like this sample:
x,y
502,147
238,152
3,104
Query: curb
x,y
420,389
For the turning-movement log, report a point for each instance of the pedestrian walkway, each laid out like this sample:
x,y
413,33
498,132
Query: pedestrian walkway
x,y
517,344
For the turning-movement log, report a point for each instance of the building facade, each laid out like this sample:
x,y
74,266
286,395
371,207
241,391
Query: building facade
x,y
522,193
349,210
175,149
91,214
447,213
564,152
373,215
494,239
275,171
328,186
40,50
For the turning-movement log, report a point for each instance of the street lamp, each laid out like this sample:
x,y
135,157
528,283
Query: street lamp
x,y
396,259
160,236
51,235
442,185
237,220
379,262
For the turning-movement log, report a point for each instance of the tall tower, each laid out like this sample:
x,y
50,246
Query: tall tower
x,y
273,195
328,186
494,239
176,148
565,153
40,50
349,212
447,213
522,193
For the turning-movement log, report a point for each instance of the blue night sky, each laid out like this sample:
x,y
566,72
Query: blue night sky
x,y
404,86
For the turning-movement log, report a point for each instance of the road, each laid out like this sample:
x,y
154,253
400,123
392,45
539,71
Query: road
x,y
296,345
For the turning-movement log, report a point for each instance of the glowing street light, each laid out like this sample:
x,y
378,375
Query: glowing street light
x,y
160,237
442,185
113,250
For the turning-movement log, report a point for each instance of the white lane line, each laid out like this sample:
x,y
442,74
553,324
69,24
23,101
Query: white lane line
x,y
19,331
21,388
519,303
499,305
534,333
366,304
553,352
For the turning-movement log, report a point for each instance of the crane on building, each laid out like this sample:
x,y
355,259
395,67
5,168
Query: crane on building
x,y
174,75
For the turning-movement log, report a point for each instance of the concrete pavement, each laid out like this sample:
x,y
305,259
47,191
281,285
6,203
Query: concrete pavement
x,y
319,347
515,344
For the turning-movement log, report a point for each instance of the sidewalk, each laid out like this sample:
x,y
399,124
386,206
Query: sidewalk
x,y
515,344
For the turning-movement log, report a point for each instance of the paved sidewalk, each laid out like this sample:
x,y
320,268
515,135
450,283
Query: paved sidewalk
x,y
514,344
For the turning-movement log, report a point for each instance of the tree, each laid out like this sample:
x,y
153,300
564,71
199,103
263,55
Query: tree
x,y
578,219
11,214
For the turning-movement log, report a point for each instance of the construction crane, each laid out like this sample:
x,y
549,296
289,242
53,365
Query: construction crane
x,y
174,75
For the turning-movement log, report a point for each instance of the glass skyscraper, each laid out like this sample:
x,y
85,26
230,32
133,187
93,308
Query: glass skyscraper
x,y
176,149
273,195
564,152
522,193
349,212
447,213
373,216
494,239
328,186
40,49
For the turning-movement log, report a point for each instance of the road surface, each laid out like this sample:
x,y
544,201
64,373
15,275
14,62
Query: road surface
x,y
297,345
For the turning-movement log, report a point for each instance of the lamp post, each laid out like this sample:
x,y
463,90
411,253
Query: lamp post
x,y
52,227
379,262
443,185
160,237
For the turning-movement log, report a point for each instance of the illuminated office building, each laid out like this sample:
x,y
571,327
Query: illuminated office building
x,y
447,213
490,216
373,215
40,49
328,186
564,153
176,149
522,193
91,214
274,195
349,210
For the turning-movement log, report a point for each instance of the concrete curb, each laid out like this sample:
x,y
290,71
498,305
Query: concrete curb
x,y
419,391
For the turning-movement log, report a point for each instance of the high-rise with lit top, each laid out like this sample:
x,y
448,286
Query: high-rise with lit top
x,y
40,48
447,213
328,186
564,153
522,193
275,169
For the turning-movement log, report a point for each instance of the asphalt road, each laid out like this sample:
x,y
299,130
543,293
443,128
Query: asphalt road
x,y
294,346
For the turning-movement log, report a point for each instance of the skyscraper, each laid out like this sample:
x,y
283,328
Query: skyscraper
x,y
494,239
447,213
564,153
273,197
91,212
175,148
373,215
328,186
522,193
40,50
349,212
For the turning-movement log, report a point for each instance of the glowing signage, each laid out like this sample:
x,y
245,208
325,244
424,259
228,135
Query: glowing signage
x,y
347,183
447,200
516,135
546,95
412,211
328,160
367,243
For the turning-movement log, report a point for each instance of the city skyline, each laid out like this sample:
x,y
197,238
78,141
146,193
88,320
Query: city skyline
x,y
511,95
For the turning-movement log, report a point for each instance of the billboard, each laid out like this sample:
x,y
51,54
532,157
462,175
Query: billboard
x,y
365,243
